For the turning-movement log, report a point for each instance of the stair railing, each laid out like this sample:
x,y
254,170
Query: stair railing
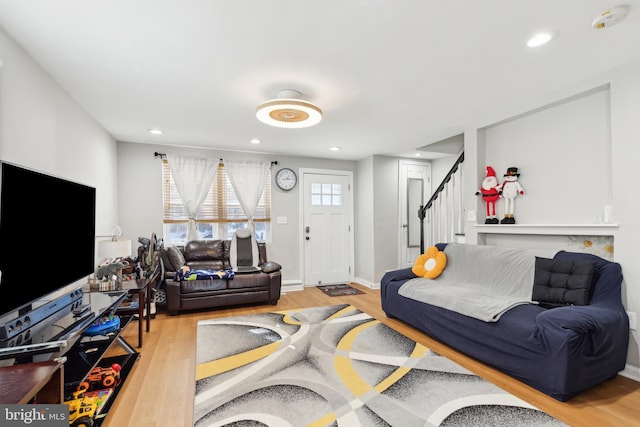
x,y
443,211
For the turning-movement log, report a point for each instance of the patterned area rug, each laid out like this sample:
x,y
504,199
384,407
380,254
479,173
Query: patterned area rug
x,y
337,366
339,290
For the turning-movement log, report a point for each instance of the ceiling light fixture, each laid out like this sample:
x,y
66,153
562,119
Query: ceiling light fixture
x,y
610,17
289,111
155,131
255,141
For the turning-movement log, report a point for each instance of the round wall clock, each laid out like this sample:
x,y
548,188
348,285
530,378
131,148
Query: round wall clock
x,y
286,179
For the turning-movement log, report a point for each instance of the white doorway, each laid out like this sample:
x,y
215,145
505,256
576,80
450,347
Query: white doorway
x,y
414,190
327,226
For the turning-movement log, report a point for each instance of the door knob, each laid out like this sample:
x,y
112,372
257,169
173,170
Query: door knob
x,y
306,238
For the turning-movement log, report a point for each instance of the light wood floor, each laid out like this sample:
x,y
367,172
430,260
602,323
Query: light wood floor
x,y
159,391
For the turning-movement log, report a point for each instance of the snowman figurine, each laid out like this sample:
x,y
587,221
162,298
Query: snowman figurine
x,y
490,192
510,190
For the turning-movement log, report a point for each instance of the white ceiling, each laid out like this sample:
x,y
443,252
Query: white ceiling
x,y
391,76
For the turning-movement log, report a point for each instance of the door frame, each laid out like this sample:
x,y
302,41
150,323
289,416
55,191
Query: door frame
x,y
301,212
402,187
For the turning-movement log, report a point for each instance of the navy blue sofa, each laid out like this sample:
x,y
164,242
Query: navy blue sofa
x,y
560,351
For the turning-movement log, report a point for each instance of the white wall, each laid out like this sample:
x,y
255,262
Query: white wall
x,y
42,128
577,149
364,223
141,196
625,131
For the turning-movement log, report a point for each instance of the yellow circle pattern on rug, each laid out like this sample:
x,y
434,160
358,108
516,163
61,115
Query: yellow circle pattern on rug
x,y
430,264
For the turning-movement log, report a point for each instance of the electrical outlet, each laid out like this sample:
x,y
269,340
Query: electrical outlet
x,y
471,215
632,320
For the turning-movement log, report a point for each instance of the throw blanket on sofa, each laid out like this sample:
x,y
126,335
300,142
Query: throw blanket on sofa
x,y
186,273
479,281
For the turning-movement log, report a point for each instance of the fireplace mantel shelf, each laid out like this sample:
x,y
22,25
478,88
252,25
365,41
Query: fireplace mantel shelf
x,y
549,229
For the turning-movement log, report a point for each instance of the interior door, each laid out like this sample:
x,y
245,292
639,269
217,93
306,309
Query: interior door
x,y
414,190
327,227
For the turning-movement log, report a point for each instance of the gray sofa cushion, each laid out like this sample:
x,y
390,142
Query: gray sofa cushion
x,y
562,282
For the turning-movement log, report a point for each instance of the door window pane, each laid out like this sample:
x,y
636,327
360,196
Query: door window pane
x,y
326,194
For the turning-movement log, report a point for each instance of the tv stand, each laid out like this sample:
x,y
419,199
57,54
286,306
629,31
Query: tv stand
x,y
76,354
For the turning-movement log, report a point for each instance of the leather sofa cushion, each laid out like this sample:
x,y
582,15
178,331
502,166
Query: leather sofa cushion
x,y
198,286
203,250
207,265
175,258
251,280
270,267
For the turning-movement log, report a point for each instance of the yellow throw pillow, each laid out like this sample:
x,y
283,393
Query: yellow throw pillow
x,y
430,264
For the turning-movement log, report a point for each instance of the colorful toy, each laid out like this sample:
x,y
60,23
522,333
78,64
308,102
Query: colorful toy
x,y
100,377
510,190
103,326
490,192
81,409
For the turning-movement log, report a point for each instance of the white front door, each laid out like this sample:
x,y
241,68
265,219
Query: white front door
x,y
327,229
414,190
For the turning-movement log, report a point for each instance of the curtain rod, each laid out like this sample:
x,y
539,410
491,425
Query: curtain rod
x,y
163,155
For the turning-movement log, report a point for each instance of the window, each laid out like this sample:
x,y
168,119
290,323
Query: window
x,y
326,194
220,214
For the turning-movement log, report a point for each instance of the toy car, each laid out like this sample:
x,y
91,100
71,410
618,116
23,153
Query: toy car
x,y
100,377
81,409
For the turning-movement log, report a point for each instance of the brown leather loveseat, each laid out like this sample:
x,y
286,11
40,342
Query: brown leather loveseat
x,y
261,286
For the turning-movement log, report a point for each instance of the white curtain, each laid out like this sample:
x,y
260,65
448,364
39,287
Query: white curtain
x,y
247,179
193,177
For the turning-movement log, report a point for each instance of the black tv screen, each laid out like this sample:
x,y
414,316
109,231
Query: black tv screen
x,y
47,235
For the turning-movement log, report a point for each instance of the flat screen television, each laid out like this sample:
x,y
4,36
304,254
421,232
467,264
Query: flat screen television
x,y
47,235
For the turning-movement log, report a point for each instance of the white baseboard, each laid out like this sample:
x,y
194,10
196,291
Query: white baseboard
x,y
291,286
366,283
632,372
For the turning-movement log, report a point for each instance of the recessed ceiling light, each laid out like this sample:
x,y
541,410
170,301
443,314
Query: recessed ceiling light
x,y
155,131
336,148
539,39
418,154
255,141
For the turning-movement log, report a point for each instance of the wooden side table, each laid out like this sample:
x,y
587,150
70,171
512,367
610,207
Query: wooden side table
x,y
141,287
43,381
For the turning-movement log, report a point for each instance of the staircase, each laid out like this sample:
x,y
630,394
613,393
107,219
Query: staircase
x,y
441,218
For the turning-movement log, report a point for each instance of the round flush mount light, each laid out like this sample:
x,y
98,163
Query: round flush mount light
x,y
289,111
610,17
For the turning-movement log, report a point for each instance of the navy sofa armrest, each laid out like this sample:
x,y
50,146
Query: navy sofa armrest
x,y
604,326
583,318
397,275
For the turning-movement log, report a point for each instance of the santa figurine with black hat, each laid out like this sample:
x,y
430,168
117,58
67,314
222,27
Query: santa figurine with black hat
x,y
510,190
490,192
